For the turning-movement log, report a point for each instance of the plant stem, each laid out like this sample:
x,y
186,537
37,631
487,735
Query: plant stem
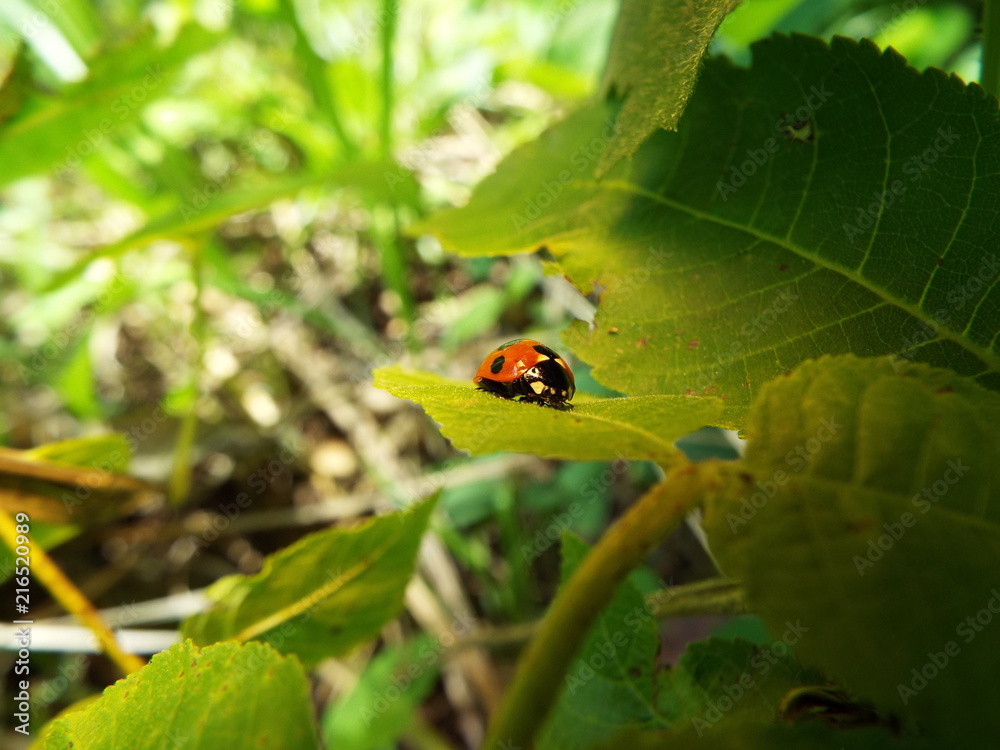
x,y
990,74
314,71
540,673
716,596
70,597
393,265
179,483
390,14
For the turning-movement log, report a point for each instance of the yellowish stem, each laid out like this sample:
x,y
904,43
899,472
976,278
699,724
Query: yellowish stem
x,y
69,596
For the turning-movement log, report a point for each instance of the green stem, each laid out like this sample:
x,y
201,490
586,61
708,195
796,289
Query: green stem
x,y
990,75
390,14
179,484
314,71
716,596
393,265
540,673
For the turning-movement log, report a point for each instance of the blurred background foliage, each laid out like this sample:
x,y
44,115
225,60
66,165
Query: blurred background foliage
x,y
203,245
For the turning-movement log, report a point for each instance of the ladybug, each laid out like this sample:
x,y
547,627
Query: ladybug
x,y
527,369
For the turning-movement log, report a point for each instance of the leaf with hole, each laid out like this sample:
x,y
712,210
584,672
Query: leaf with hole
x,y
829,199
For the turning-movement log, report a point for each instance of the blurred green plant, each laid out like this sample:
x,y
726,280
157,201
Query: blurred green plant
x,y
824,199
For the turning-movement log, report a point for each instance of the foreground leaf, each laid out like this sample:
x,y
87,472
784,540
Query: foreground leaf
x,y
827,200
874,520
324,594
226,695
478,422
654,59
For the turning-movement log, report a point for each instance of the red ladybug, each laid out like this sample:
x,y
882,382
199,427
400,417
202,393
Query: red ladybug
x,y
527,369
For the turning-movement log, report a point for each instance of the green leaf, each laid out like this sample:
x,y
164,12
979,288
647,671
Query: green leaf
x,y
109,452
204,208
75,480
655,55
383,703
595,429
615,682
57,132
611,682
24,489
324,594
872,519
75,382
732,250
226,695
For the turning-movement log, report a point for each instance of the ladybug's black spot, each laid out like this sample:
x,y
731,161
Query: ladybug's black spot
x,y
542,349
497,364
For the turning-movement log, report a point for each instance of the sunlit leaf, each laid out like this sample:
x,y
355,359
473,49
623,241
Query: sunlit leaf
x,y
322,595
655,55
829,199
225,695
637,428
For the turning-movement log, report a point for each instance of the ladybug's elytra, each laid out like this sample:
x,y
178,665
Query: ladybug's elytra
x,y
529,370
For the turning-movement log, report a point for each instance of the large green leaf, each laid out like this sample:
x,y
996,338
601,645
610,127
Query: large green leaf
x,y
596,429
654,59
226,695
615,682
873,520
324,594
830,199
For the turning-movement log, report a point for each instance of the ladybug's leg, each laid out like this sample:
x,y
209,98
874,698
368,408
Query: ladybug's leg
x,y
496,388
